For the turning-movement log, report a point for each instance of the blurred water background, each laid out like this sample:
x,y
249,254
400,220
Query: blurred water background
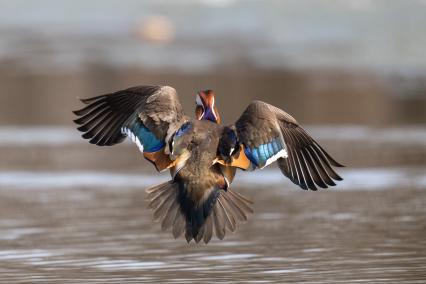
x,y
353,72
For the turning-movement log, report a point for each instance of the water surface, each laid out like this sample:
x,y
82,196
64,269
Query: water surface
x,y
101,232
74,213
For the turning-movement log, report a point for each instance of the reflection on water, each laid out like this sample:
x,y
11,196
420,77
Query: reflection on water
x,y
94,233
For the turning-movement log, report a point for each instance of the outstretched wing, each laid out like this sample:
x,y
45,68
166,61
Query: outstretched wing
x,y
149,115
268,134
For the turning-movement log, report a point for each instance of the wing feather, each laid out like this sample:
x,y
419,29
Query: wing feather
x,y
156,107
150,113
267,134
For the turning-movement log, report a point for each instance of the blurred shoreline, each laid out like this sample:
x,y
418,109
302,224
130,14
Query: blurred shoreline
x,y
313,97
325,62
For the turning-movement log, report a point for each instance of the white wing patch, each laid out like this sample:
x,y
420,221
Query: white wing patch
x,y
132,137
281,154
198,101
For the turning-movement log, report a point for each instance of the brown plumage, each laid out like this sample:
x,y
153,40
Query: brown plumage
x,y
203,155
307,165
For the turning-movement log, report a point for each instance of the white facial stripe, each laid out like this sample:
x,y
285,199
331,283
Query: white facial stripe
x,y
198,101
202,114
214,113
213,109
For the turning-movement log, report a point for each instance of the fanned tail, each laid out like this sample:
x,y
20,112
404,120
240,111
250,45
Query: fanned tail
x,y
218,212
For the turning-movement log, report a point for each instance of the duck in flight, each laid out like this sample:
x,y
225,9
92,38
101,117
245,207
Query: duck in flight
x,y
202,155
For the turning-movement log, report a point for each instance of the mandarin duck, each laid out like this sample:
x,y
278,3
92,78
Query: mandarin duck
x,y
202,155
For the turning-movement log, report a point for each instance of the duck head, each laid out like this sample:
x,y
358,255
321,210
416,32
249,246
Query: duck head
x,y
205,106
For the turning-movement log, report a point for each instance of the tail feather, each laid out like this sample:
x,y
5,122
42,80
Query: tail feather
x,y
229,218
241,202
219,223
200,234
170,216
188,236
157,194
208,233
219,212
164,207
178,225
236,211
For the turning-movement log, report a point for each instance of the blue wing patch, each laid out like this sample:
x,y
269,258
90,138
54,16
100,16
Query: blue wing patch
x,y
267,153
183,129
144,139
